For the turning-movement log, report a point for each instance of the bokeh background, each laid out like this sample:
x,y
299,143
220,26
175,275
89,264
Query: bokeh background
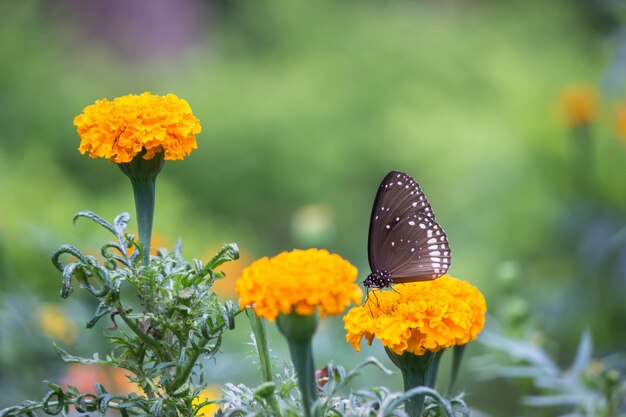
x,y
506,112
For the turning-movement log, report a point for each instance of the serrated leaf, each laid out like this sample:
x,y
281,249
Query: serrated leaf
x,y
93,216
67,358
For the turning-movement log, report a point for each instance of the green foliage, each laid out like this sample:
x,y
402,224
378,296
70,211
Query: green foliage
x,y
280,398
179,320
588,388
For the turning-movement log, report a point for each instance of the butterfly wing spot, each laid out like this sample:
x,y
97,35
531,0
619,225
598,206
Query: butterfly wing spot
x,y
422,226
388,227
411,223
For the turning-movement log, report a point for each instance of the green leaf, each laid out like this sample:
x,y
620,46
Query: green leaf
x,y
93,216
69,249
67,358
54,400
229,252
583,354
105,307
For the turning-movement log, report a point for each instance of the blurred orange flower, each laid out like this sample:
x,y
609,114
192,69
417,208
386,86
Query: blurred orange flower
x,y
84,377
579,104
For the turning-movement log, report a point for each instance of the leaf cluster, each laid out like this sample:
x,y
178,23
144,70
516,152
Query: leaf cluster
x,y
176,322
281,399
587,388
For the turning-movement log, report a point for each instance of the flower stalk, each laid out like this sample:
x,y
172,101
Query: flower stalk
x,y
299,331
142,174
260,338
417,371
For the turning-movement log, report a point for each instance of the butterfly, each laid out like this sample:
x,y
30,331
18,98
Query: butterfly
x,y
405,243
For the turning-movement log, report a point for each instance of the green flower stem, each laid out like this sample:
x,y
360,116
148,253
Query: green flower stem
x,y
417,370
142,336
144,192
142,174
184,375
260,337
299,331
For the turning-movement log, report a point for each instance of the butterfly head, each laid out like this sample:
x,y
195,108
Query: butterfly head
x,y
378,279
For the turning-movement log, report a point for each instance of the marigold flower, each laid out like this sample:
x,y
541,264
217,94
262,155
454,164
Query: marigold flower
x,y
119,130
580,104
420,317
301,282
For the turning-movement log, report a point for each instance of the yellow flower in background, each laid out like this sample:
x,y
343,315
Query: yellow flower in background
x,y
301,282
420,317
210,393
119,130
579,104
56,324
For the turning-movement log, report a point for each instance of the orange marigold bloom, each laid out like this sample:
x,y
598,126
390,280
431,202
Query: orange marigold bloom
x,y
119,130
580,104
421,317
301,282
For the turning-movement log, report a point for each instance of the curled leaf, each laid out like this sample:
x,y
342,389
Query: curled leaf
x,y
229,252
93,216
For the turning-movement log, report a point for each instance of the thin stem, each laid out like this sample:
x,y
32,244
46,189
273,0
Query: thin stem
x,y
260,338
144,337
184,375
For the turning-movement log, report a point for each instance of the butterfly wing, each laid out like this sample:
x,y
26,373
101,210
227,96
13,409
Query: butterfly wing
x,y
404,237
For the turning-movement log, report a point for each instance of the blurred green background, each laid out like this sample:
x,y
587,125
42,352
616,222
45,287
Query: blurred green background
x,y
305,106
